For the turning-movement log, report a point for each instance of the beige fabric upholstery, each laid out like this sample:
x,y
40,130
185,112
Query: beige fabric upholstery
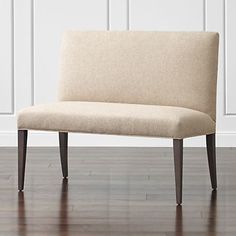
x,y
117,118
160,84
158,68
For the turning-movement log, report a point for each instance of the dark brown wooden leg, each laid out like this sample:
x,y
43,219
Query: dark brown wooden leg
x,y
22,146
178,161
63,140
211,153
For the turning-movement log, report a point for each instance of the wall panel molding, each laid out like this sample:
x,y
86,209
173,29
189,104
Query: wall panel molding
x,y
32,51
119,13
204,15
128,15
108,15
7,97
225,55
13,56
229,51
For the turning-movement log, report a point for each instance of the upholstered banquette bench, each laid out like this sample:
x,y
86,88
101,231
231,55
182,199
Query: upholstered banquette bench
x,y
155,84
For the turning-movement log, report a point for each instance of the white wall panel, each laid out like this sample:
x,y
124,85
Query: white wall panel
x,y
6,56
23,72
167,15
29,65
230,56
118,14
51,18
217,20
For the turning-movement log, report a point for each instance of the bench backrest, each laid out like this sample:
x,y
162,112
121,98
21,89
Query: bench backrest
x,y
161,68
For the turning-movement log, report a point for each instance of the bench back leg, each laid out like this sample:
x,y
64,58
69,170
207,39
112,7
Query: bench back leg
x,y
63,142
211,153
22,146
178,162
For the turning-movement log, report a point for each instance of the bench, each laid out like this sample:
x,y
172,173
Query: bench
x,y
152,84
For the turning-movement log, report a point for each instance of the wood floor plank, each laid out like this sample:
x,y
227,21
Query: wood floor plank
x,y
117,191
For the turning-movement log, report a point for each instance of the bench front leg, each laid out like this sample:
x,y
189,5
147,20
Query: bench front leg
x,y
211,153
178,162
63,142
22,146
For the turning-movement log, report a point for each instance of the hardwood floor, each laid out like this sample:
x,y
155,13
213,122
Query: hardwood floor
x,y
117,191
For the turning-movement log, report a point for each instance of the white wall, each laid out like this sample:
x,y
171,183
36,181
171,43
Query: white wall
x,y
29,46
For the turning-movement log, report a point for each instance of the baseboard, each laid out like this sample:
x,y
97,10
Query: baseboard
x,y
37,138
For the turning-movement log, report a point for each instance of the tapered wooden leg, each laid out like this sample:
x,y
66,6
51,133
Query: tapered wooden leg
x,y
178,161
63,141
22,146
211,153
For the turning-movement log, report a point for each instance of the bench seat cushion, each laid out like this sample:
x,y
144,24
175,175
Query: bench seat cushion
x,y
117,118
